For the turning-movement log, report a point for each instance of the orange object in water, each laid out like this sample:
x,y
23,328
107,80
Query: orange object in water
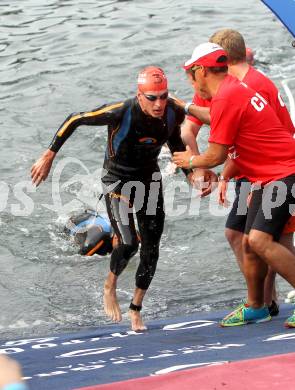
x,y
250,56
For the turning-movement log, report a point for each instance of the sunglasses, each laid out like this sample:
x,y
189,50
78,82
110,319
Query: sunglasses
x,y
153,98
196,67
193,70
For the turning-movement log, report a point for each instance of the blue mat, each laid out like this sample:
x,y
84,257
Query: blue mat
x,y
113,353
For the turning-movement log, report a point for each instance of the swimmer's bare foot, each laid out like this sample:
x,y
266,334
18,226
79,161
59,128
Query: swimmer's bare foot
x,y
135,317
136,321
111,305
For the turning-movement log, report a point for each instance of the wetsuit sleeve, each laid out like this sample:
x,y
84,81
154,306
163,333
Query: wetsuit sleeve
x,y
174,141
101,116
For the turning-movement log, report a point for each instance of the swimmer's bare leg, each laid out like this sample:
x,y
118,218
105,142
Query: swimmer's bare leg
x,y
134,310
111,305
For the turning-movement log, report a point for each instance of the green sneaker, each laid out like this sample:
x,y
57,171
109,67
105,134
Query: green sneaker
x,y
290,321
245,314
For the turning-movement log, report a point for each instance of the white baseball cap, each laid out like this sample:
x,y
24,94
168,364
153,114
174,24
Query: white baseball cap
x,y
207,54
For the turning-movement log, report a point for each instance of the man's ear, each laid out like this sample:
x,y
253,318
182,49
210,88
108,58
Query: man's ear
x,y
138,95
204,71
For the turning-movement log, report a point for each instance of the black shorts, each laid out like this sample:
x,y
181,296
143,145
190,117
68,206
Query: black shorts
x,y
269,217
237,217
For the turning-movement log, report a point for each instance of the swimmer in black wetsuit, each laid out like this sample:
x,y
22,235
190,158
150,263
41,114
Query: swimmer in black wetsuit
x,y
137,129
92,232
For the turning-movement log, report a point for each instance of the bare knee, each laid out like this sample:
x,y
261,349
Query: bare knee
x,y
234,237
259,242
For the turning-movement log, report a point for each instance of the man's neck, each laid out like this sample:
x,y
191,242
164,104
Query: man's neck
x,y
215,83
238,70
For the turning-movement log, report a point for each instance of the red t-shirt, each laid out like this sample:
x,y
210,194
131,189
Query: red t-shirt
x,y
266,88
262,148
198,101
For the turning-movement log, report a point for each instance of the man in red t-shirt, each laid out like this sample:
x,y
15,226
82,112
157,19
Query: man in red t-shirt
x,y
233,42
245,125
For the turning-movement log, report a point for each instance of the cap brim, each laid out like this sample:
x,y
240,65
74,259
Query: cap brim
x,y
188,64
208,60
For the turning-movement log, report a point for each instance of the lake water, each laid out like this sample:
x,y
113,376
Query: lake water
x,y
62,56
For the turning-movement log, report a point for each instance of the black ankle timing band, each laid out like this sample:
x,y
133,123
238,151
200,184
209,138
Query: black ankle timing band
x,y
134,307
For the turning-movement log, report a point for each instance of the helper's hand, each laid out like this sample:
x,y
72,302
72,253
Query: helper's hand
x,y
42,166
181,103
205,180
222,190
210,178
10,371
182,159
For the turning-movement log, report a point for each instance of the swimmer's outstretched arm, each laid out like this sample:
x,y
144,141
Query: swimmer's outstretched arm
x,y
101,116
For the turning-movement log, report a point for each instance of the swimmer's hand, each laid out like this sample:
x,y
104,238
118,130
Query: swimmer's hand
x,y
40,170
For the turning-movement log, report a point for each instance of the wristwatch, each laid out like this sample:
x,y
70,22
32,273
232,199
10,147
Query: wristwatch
x,y
222,178
186,107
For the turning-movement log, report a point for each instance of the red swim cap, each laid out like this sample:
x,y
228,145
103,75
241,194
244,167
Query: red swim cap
x,y
152,78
